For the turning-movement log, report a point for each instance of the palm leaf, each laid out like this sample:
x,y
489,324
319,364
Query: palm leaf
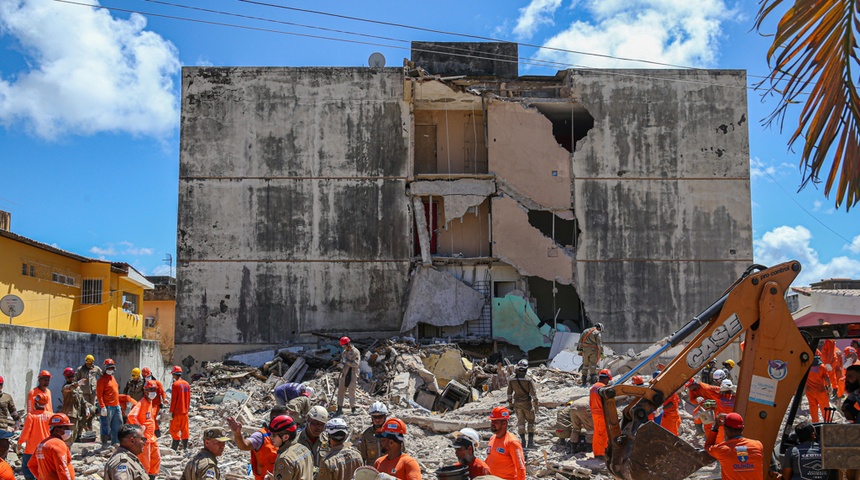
x,y
814,62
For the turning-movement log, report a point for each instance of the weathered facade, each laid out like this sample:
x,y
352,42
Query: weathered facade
x,y
364,200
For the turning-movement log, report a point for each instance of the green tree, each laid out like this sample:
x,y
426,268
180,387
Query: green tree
x,y
814,50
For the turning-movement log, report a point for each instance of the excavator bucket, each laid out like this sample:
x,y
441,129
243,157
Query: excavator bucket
x,y
657,454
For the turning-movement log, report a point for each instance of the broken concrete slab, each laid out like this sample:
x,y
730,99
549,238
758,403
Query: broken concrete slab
x,y
455,206
420,216
567,361
447,365
439,298
463,186
516,242
563,341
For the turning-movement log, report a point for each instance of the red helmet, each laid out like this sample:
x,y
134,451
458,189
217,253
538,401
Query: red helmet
x,y
69,372
393,428
283,423
109,362
150,385
500,413
848,351
146,371
637,380
344,341
177,370
605,373
1,381
59,420
44,374
734,420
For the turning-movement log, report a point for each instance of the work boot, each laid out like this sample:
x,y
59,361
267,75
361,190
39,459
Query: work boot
x,y
586,447
531,440
152,477
354,410
174,445
338,412
185,444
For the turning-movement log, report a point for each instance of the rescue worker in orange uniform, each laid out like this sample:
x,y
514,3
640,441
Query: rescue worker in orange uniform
x,y
840,375
180,403
504,452
107,392
740,458
142,415
53,460
829,359
160,397
263,451
6,472
705,392
126,403
395,461
725,404
36,428
41,388
817,384
601,437
671,417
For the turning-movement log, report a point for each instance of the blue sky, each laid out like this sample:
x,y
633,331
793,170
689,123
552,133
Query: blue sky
x,y
89,102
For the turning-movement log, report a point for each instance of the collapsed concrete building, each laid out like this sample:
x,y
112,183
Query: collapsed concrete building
x,y
454,197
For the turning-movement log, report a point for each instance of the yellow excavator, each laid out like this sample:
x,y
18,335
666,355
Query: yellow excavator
x,y
774,365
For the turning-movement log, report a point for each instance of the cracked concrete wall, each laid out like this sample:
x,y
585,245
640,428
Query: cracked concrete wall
x,y
524,154
292,213
662,195
516,242
439,298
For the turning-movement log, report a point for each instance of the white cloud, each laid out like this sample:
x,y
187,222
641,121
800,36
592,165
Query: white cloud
x,y
760,169
678,32
533,15
109,250
87,72
793,243
854,247
128,248
161,270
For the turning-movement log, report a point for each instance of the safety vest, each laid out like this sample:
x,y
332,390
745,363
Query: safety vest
x,y
264,457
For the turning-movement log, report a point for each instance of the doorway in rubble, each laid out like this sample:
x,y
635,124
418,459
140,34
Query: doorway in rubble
x,y
553,298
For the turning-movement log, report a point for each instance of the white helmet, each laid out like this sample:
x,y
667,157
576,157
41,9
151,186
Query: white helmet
x,y
336,425
377,408
522,364
309,391
471,434
718,375
318,413
726,385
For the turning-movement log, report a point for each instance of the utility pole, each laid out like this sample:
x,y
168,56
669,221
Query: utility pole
x,y
168,259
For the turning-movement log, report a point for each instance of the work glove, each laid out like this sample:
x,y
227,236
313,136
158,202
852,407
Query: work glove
x,y
104,412
828,367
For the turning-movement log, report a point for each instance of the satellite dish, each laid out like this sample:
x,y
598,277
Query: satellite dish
x,y
11,305
376,60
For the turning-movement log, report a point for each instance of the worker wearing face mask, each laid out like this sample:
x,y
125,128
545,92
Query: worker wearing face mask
x,y
107,391
142,415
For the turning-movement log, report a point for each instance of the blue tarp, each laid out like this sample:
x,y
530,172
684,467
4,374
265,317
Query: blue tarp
x,y
515,322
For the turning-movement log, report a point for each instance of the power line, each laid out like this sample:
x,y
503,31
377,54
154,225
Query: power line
x,y
764,169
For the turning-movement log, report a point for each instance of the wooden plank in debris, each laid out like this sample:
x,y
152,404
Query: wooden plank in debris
x,y
294,369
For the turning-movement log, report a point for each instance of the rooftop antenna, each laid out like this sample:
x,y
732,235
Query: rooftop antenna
x,y
376,60
168,259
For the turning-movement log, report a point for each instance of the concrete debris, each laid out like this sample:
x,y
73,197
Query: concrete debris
x,y
439,298
406,377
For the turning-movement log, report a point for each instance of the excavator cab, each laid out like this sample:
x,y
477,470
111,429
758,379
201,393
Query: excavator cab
x,y
775,361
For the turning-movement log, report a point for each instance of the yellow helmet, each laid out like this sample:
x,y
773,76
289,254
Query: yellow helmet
x,y
135,372
89,359
729,363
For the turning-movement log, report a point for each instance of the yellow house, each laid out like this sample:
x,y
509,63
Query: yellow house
x,y
65,291
159,314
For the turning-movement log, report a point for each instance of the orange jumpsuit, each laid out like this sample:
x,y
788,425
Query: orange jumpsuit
x,y
671,418
504,457
828,357
740,458
708,392
816,391
36,428
52,460
839,368
31,396
125,402
142,415
6,472
180,402
601,437
158,401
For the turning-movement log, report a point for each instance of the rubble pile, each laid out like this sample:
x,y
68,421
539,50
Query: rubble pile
x,y
436,390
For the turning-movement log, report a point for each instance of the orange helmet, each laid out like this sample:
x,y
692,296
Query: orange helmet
x,y
637,380
150,385
40,400
393,428
109,362
69,372
177,370
850,350
500,413
45,374
605,373
146,371
59,420
344,341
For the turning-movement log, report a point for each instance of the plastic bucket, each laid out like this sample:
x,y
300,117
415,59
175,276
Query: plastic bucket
x,y
454,472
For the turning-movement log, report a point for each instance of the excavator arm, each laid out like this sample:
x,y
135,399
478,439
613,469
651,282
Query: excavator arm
x,y
774,363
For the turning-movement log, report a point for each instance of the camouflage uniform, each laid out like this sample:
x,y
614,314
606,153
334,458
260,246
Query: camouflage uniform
x,y
368,446
75,408
298,408
124,465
